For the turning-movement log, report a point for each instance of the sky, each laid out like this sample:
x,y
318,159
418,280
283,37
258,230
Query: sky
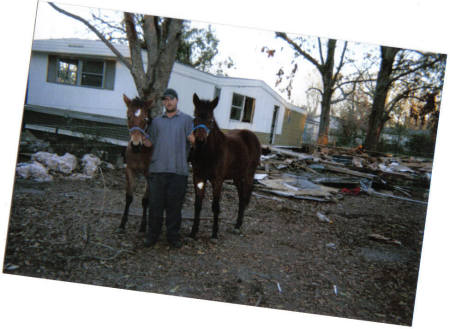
x,y
242,44
38,303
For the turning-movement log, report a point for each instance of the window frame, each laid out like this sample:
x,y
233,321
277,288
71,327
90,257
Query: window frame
x,y
242,108
108,71
68,61
103,74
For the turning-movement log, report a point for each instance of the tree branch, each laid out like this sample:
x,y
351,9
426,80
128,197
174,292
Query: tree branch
x,y
134,44
423,66
315,89
320,51
284,36
341,62
125,61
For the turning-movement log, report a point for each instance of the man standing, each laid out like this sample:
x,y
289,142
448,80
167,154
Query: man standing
x,y
169,134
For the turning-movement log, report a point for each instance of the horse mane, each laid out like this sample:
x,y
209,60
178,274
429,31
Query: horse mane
x,y
138,102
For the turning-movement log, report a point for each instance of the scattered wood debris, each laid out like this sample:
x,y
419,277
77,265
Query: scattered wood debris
x,y
323,173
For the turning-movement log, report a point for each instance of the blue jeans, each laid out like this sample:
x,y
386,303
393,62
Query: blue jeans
x,y
167,193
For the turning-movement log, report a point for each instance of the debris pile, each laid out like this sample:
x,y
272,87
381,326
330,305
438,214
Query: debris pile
x,y
33,170
329,174
44,165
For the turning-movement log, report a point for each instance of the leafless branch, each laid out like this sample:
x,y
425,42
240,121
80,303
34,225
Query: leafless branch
x,y
341,62
298,48
125,61
320,51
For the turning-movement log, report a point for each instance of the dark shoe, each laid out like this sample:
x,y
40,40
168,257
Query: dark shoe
x,y
150,242
177,244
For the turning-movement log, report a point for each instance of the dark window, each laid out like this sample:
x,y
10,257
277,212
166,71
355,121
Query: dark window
x,y
217,92
248,109
92,74
236,107
242,108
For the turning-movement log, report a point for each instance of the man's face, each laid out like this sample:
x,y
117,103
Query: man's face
x,y
170,103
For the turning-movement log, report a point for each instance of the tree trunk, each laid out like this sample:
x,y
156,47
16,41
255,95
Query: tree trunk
x,y
377,117
328,83
162,37
324,118
161,44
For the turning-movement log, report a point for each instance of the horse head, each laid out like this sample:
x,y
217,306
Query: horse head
x,y
204,121
138,116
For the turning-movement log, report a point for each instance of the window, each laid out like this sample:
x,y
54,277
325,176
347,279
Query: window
x,y
81,72
242,108
67,71
92,73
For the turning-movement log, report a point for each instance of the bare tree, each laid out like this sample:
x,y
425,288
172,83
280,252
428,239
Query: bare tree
x,y
402,74
158,42
330,76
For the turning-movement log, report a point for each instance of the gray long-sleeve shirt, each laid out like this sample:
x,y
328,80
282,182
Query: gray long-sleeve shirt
x,y
170,145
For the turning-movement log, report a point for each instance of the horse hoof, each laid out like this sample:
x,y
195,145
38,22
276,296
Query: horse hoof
x,y
214,240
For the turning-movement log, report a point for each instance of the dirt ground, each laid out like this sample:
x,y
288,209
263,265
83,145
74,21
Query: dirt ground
x,y
285,257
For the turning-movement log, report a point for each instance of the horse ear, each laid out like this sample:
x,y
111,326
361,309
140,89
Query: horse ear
x,y
214,103
196,99
126,100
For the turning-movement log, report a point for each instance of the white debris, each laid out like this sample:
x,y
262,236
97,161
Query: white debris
x,y
108,165
65,164
49,160
279,287
90,164
357,162
323,218
33,170
200,185
78,176
268,157
331,245
260,176
400,168
395,167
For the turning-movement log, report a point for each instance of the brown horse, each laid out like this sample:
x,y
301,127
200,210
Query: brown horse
x,y
137,154
216,157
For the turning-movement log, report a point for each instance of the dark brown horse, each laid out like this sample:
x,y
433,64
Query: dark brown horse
x,y
137,155
216,157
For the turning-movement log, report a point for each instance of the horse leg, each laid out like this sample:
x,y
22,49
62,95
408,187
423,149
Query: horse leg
x,y
128,197
145,202
217,190
244,192
199,185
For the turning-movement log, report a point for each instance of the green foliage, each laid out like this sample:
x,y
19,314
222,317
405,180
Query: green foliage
x,y
385,146
198,47
421,145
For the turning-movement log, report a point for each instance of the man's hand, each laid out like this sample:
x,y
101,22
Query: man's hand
x,y
191,138
147,143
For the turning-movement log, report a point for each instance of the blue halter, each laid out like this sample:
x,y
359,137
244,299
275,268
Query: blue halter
x,y
140,130
200,126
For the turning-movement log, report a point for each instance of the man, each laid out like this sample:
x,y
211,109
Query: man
x,y
169,134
